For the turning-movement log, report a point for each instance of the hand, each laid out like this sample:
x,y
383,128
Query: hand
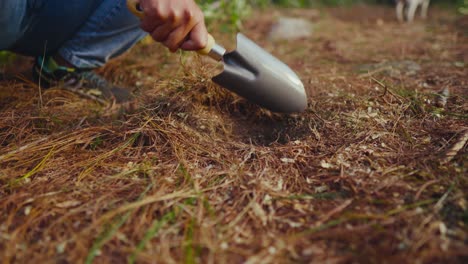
x,y
175,23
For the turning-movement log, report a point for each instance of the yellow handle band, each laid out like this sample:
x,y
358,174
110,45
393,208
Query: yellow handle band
x,y
133,6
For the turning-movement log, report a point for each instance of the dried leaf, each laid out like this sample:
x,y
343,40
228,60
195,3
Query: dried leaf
x,y
68,204
325,165
287,160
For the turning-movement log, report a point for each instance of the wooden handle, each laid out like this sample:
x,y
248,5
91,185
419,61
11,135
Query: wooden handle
x,y
209,45
134,7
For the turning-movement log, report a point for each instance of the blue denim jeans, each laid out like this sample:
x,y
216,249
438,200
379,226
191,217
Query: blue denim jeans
x,y
86,33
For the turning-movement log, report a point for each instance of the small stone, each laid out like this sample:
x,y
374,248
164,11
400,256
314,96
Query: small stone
x,y
61,247
402,246
442,229
312,250
272,250
442,97
224,245
321,189
459,64
287,160
68,204
325,164
27,210
288,28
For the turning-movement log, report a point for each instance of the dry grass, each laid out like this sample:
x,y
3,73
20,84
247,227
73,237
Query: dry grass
x,y
374,170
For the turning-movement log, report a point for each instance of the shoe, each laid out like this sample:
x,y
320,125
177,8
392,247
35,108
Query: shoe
x,y
83,82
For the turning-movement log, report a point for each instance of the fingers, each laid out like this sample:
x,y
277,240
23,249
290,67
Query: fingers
x,y
153,15
161,33
198,38
158,20
174,23
176,38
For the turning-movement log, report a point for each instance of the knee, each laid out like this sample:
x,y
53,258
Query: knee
x,y
11,22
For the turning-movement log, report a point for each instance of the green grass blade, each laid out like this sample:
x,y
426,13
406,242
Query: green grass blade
x,y
37,168
110,231
154,229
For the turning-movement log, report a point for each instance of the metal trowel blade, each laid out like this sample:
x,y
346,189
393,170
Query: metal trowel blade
x,y
256,75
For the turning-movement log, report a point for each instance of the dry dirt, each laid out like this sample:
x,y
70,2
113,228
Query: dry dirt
x,y
374,171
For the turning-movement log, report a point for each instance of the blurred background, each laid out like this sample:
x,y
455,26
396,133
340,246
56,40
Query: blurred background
x,y
239,9
231,12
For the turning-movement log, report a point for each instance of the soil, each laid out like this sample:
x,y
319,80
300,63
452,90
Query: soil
x,y
373,171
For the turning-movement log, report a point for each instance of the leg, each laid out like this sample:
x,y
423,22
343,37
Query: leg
x,y
399,10
425,6
12,14
49,23
413,5
86,33
110,31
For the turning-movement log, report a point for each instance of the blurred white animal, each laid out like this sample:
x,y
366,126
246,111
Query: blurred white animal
x,y
410,7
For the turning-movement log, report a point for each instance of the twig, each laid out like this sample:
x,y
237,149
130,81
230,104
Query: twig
x,y
382,85
453,151
427,184
13,152
437,207
441,201
335,210
387,90
378,70
442,97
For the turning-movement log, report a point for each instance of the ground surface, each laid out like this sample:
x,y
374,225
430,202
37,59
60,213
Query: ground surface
x,y
374,170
